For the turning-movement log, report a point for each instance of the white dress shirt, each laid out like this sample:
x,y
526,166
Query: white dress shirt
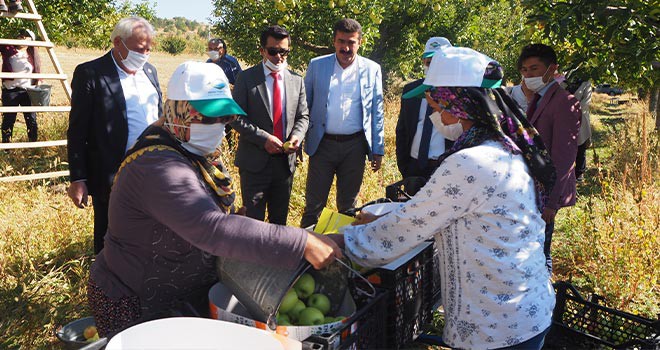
x,y
269,86
141,99
344,101
437,146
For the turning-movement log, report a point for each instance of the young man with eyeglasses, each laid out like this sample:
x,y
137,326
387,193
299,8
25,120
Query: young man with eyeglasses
x,y
345,97
270,134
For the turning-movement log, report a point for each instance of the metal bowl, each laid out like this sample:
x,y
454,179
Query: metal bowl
x,y
72,333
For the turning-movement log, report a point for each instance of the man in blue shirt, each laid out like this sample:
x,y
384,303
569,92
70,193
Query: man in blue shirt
x,y
218,55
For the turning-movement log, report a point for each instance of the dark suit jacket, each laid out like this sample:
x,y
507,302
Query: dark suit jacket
x,y
98,128
557,119
406,127
251,93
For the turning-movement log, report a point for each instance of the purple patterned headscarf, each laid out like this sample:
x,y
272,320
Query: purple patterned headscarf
x,y
496,117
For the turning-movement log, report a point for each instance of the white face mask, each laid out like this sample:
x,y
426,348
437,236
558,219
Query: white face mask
x,y
213,55
275,67
536,83
451,132
134,61
204,138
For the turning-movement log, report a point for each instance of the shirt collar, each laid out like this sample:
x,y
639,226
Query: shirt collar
x,y
545,88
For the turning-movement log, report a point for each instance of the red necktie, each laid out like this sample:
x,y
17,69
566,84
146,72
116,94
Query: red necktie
x,y
277,108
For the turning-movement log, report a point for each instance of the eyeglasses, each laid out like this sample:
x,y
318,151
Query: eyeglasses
x,y
273,51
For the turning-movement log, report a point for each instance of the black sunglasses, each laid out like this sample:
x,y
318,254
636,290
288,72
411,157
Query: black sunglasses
x,y
273,51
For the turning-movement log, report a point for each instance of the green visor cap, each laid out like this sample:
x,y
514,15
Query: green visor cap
x,y
421,89
217,107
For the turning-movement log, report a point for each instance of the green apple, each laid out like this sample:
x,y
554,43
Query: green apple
x,y
339,318
311,316
328,319
319,301
305,286
295,311
289,300
283,318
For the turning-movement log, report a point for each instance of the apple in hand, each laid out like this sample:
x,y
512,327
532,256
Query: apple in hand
x,y
289,300
319,301
311,317
305,286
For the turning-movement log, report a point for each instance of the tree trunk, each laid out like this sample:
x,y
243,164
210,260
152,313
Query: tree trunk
x,y
654,105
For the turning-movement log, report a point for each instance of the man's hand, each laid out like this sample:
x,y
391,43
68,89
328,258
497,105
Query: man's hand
x,y
77,191
375,164
273,145
292,145
320,250
364,217
549,215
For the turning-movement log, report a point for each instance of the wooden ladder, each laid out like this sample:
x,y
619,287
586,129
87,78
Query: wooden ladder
x,y
32,15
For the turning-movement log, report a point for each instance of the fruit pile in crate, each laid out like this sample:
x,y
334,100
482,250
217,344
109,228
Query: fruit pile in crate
x,y
302,307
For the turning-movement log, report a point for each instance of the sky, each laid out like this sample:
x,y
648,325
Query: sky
x,y
198,10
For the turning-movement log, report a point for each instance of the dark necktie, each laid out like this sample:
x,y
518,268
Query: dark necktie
x,y
277,108
425,143
531,108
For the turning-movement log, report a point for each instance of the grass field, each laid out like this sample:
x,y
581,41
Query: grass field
x,y
46,243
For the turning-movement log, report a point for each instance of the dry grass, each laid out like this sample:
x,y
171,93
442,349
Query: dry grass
x,y
46,249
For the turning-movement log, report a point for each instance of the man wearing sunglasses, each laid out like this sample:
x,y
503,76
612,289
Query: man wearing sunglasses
x,y
345,97
270,134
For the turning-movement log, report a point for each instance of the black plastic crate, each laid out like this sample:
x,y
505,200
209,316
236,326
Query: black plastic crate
x,y
599,324
410,302
365,330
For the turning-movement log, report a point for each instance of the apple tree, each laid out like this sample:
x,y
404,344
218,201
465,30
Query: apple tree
x,y
608,41
394,31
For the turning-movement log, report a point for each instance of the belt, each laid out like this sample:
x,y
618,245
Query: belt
x,y
342,138
431,163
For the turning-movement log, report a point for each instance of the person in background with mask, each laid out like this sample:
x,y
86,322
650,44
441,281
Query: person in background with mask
x,y
270,134
114,98
171,213
483,207
19,59
418,143
556,114
217,52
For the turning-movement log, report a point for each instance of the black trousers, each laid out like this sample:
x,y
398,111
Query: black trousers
x,y
581,159
100,205
12,98
269,188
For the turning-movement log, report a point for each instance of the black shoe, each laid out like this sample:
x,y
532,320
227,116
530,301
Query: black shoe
x,y
15,6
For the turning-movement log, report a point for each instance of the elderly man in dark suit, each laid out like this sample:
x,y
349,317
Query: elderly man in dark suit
x,y
418,144
115,97
270,134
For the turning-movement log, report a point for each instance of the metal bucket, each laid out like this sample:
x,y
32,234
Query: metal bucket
x,y
261,288
39,95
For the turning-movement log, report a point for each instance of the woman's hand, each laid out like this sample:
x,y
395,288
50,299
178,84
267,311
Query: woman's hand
x,y
320,250
364,217
436,106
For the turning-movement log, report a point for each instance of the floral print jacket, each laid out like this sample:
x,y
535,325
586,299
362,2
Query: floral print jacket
x,y
481,208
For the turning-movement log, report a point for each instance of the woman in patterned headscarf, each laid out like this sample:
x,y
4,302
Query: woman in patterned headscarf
x,y
169,213
483,206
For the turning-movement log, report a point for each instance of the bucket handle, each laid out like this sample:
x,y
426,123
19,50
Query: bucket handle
x,y
360,291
